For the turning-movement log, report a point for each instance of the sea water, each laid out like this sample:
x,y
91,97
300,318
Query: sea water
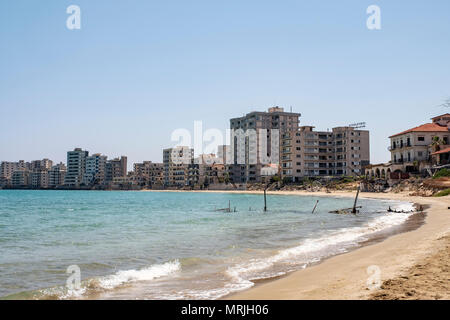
x,y
170,245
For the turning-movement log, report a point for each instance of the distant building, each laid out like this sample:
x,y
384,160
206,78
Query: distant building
x,y
45,164
39,178
95,170
148,174
56,175
250,153
76,167
21,179
206,169
344,151
441,157
224,154
115,168
419,149
416,144
281,147
177,162
7,168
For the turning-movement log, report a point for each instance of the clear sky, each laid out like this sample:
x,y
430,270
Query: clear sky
x,y
139,69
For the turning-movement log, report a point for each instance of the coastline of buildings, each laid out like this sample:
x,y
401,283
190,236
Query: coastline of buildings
x,y
271,144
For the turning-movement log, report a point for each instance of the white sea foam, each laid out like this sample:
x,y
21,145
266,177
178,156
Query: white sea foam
x,y
242,275
146,274
313,250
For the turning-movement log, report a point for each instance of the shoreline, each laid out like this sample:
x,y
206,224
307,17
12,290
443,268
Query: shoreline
x,y
345,276
397,251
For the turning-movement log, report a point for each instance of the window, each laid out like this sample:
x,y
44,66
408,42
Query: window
x,y
421,139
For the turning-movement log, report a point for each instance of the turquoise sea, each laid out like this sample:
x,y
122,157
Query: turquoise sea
x,y
169,245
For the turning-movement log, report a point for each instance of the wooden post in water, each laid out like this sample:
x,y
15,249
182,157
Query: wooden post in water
x,y
315,206
229,205
265,200
356,200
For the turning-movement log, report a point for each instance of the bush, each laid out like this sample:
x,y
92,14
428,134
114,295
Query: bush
x,y
347,180
442,173
275,179
443,193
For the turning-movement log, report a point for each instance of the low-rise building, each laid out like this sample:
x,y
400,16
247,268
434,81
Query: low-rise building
x,y
422,149
412,148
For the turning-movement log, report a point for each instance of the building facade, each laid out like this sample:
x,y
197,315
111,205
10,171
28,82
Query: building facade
x,y
344,151
412,148
115,168
76,167
7,168
21,178
149,174
297,151
95,170
177,162
56,175
255,142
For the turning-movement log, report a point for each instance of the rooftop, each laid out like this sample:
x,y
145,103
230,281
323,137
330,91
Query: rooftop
x,y
446,150
441,116
427,127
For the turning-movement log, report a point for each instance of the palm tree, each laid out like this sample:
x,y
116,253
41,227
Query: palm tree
x,y
435,145
446,103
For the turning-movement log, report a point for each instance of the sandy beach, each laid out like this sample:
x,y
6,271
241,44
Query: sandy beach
x,y
397,258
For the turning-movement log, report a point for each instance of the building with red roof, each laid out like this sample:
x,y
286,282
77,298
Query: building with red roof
x,y
417,149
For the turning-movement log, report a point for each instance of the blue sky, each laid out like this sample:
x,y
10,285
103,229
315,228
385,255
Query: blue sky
x,y
137,70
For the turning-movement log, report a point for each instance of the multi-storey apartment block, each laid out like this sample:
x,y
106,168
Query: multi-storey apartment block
x,y
255,144
56,175
115,168
39,178
44,164
7,168
148,174
297,151
76,167
344,151
205,170
95,170
177,162
21,178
